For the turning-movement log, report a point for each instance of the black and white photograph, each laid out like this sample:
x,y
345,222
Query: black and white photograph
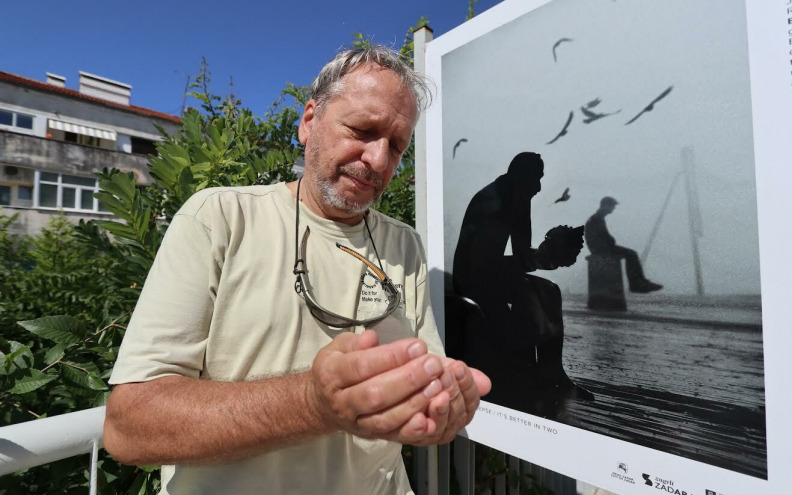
x,y
600,224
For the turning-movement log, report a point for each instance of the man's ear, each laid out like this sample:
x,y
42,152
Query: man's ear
x,y
306,122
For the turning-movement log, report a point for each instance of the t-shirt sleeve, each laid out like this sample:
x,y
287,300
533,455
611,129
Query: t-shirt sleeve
x,y
168,329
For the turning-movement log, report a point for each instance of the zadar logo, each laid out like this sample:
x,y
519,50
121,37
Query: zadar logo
x,y
666,485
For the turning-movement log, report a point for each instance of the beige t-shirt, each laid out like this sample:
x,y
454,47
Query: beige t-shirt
x,y
219,304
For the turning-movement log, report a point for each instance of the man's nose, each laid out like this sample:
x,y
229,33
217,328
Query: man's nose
x,y
375,154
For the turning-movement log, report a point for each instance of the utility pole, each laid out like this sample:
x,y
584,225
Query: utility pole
x,y
653,234
694,214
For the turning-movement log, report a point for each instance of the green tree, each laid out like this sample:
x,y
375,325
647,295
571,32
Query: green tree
x,y
63,319
51,365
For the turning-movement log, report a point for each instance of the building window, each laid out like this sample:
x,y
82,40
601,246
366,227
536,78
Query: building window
x,y
143,146
16,119
73,137
5,195
24,121
16,195
24,193
69,192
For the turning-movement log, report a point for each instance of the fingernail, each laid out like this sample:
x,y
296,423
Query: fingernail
x,y
446,380
415,350
459,372
433,389
433,366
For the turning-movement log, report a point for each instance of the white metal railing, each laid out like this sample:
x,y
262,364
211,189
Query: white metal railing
x,y
41,441
46,440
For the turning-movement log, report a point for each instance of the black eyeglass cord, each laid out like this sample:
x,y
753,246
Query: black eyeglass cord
x,y
371,238
298,260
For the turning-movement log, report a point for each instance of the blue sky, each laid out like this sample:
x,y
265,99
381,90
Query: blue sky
x,y
154,45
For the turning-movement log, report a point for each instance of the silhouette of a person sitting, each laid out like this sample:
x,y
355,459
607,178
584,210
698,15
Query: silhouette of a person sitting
x,y
599,241
522,345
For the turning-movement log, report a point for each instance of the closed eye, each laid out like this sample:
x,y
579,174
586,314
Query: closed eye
x,y
357,131
364,134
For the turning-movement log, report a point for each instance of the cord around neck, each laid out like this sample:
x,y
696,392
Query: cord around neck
x,y
297,259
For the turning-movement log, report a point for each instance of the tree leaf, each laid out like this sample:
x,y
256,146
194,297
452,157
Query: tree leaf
x,y
54,354
59,329
30,380
81,379
20,356
113,204
121,185
117,229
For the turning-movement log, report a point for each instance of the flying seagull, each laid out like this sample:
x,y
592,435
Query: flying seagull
x,y
564,130
562,40
592,116
463,140
651,105
564,197
593,103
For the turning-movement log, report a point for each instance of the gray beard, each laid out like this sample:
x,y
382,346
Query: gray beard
x,y
333,199
338,202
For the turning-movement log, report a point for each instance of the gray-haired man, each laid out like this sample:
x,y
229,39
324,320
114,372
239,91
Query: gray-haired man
x,y
238,369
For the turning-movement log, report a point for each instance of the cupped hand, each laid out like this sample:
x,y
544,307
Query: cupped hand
x,y
455,407
375,391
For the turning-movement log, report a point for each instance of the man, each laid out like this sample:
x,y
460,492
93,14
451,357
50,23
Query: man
x,y
230,373
521,347
599,241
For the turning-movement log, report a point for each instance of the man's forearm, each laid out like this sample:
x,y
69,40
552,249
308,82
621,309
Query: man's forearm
x,y
188,421
355,385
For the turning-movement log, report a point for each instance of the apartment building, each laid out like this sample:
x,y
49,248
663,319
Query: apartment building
x,y
53,139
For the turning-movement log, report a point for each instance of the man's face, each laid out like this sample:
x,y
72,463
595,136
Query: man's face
x,y
355,142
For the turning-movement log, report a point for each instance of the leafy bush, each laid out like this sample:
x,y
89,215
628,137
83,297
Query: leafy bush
x,y
63,318
54,364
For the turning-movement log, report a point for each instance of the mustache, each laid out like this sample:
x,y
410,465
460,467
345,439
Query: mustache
x,y
360,173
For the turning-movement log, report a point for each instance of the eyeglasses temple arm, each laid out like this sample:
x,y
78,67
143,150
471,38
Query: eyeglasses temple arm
x,y
357,255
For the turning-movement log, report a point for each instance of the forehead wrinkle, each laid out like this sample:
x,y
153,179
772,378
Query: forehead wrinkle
x,y
356,82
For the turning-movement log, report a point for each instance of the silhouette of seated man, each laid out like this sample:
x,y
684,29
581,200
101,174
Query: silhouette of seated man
x,y
521,346
599,241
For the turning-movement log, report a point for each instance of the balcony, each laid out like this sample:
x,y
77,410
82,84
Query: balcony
x,y
49,155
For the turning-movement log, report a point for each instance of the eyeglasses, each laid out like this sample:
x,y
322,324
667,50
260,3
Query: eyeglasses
x,y
302,284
